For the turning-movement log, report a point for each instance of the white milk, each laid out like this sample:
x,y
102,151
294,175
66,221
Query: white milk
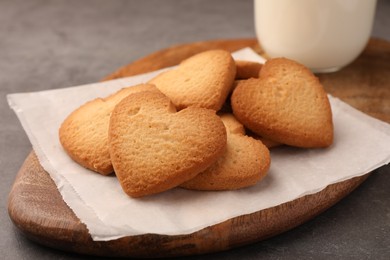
x,y
325,35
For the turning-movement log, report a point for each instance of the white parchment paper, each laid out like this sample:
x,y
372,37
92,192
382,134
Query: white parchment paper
x,y
361,145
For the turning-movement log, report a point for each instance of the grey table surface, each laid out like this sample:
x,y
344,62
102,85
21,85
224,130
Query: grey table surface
x,y
60,43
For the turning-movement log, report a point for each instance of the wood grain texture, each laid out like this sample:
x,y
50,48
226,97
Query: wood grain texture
x,y
175,54
37,209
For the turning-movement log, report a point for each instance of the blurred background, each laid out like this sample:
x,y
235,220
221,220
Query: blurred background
x,y
48,44
58,43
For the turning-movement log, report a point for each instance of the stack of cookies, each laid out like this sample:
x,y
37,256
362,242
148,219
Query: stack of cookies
x,y
188,126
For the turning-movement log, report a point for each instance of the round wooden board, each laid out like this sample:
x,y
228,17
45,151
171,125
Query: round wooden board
x,y
37,209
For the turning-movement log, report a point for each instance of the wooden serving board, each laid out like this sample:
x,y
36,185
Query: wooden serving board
x,y
37,209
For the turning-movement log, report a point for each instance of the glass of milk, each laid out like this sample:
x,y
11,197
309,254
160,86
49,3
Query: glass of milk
x,y
324,35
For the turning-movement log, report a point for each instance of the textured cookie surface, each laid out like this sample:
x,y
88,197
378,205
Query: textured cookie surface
x,y
203,80
84,133
287,104
154,148
245,162
267,142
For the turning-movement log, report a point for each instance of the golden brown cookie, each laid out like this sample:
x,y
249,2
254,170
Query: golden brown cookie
x,y
154,148
245,162
267,142
84,133
287,104
203,80
247,69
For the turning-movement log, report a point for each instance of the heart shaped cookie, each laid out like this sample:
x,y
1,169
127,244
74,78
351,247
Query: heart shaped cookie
x,y
203,80
84,133
154,148
244,162
287,104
